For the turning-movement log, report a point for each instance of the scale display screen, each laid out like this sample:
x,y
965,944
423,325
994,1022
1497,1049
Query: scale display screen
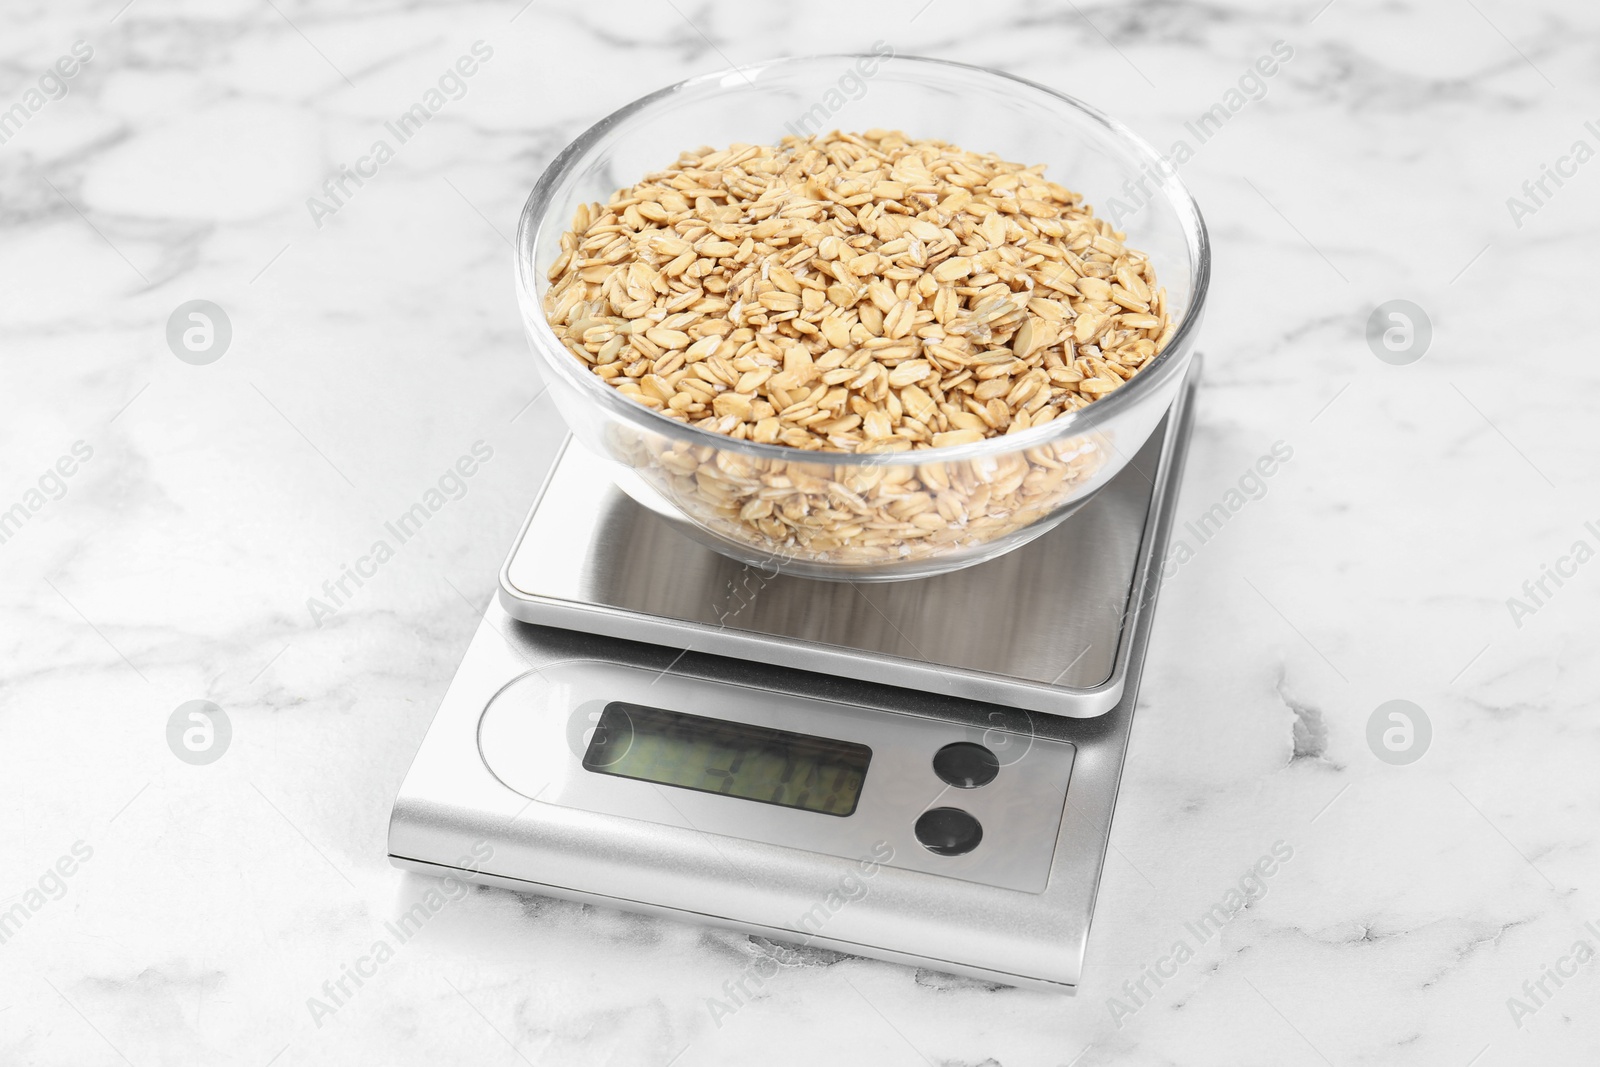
x,y
732,758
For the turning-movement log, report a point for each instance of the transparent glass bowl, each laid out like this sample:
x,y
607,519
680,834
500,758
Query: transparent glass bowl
x,y
885,516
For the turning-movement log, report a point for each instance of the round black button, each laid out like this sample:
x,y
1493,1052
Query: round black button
x,y
948,831
966,765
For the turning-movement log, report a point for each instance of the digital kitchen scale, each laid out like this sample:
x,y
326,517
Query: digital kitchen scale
x,y
919,771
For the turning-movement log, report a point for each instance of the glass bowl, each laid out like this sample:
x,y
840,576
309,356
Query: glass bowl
x,y
869,516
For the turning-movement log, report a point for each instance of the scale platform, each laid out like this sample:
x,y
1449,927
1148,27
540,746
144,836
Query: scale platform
x,y
859,767
1039,628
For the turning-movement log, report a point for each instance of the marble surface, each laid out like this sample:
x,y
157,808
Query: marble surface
x,y
207,905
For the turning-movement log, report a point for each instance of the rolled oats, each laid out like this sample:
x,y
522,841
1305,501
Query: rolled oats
x,y
861,293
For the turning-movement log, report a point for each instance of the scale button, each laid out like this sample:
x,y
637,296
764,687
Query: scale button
x,y
948,831
966,765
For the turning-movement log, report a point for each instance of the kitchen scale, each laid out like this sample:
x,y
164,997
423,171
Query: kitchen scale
x,y
919,771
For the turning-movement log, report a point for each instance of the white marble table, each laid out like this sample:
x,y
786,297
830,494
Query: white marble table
x,y
206,906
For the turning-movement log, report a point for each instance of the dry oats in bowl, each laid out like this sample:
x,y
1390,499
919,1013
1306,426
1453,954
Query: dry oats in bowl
x,y
864,355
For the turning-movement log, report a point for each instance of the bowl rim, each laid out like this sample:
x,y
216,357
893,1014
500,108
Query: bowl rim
x,y
535,215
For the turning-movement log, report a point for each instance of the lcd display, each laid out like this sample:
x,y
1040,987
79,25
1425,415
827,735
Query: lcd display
x,y
732,758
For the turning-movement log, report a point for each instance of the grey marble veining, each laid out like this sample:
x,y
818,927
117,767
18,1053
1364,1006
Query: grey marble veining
x,y
153,911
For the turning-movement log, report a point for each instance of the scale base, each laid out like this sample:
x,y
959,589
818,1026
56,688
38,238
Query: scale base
x,y
469,807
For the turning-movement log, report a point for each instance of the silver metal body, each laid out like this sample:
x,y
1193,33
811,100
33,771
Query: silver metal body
x,y
498,795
